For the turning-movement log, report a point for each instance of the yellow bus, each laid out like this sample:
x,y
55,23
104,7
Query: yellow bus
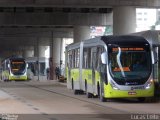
x,y
113,67
14,69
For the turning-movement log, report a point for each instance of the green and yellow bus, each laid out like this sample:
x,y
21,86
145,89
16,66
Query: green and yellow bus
x,y
113,67
14,69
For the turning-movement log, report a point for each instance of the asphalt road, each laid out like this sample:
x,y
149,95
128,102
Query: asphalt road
x,y
51,100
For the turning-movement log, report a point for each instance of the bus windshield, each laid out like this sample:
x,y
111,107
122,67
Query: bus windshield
x,y
18,67
130,65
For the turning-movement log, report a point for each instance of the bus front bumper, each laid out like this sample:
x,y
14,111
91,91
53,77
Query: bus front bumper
x,y
17,77
109,92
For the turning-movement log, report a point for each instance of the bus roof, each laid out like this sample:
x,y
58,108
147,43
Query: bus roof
x,y
124,40
138,38
13,58
16,58
152,36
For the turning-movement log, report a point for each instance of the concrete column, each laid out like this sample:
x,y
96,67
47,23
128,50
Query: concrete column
x,y
27,53
36,48
39,48
51,75
42,50
55,53
62,50
39,51
124,20
17,53
81,33
35,51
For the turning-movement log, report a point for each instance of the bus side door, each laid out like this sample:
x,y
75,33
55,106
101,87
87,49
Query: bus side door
x,y
94,62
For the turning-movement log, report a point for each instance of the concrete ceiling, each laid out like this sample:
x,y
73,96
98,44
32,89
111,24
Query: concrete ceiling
x,y
79,3
24,36
22,22
24,25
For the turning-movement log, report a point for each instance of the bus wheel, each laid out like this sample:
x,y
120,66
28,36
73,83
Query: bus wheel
x,y
101,97
5,80
156,99
89,95
152,99
72,85
76,92
141,99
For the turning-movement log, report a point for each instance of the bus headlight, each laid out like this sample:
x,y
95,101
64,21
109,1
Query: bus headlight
x,y
114,86
148,85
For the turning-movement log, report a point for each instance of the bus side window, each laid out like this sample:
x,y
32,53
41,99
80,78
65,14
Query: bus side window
x,y
87,58
70,59
94,58
76,65
99,50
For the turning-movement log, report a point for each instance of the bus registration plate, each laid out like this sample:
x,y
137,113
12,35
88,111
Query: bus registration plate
x,y
18,77
132,93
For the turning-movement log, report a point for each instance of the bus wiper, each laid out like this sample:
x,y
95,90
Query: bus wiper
x,y
139,77
124,77
119,62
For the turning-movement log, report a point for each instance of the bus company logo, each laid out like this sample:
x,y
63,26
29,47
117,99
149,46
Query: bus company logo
x,y
132,93
131,83
137,87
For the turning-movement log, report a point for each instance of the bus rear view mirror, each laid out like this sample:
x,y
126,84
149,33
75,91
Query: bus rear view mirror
x,y
104,58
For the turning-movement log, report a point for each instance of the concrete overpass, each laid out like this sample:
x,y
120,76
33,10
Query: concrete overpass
x,y
27,24
79,3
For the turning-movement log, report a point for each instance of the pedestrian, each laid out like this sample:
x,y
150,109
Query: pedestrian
x,y
47,71
57,72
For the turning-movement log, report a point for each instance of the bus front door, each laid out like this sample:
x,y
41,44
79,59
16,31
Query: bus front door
x,y
93,56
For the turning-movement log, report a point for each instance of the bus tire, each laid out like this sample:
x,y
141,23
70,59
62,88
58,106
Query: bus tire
x,y
152,99
141,99
72,85
88,94
86,85
76,92
101,97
